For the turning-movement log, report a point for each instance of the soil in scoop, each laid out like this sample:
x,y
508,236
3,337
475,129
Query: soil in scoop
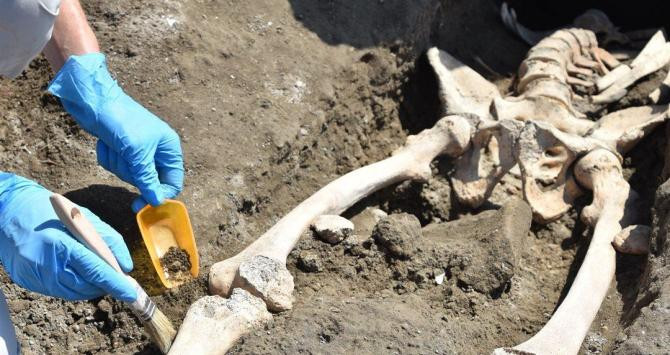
x,y
176,263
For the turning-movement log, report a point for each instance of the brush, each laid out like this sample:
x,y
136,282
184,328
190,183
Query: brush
x,y
160,328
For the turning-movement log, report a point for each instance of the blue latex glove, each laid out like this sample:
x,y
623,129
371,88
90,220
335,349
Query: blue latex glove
x,y
42,256
134,144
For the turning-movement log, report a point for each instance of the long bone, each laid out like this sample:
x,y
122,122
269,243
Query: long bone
x,y
613,208
613,201
451,136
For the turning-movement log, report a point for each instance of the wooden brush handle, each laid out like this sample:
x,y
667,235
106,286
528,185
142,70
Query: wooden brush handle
x,y
82,229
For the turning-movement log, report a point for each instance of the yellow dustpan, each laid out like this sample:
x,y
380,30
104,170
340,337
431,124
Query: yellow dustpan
x,y
168,226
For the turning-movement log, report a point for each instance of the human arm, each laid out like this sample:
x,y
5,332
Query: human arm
x,y
134,144
39,254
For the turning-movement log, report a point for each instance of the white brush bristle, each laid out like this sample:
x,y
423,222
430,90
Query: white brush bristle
x,y
160,330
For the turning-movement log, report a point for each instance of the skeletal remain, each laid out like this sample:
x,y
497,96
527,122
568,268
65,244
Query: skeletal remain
x,y
545,95
606,58
613,76
600,171
260,268
332,228
450,136
654,56
633,240
539,129
461,88
268,279
545,79
213,324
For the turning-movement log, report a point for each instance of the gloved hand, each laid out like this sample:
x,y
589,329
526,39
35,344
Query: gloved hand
x,y
42,256
134,144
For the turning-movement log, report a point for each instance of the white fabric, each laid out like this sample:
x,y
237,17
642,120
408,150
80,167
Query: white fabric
x,y
8,343
25,28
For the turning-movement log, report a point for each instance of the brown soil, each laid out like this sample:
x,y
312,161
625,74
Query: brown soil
x,y
176,263
273,99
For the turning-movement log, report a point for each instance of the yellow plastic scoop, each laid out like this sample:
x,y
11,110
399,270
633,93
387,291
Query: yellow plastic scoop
x,y
167,233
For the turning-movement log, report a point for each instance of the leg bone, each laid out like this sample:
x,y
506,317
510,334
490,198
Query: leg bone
x,y
600,171
213,324
451,136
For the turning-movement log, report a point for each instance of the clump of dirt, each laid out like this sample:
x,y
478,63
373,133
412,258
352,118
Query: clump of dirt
x,y
175,262
176,265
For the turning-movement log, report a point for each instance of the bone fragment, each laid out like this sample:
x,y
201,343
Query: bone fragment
x,y
545,160
332,228
267,279
610,78
482,166
461,88
600,171
652,58
633,240
585,63
653,46
621,130
451,135
576,81
542,108
213,324
573,70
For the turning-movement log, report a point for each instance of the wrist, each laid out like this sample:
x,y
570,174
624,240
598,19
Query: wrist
x,y
84,86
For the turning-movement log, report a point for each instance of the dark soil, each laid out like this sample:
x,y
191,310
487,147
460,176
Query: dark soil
x,y
175,261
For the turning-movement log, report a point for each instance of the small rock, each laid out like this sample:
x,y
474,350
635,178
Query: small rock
x,y
439,279
332,229
267,279
308,261
398,234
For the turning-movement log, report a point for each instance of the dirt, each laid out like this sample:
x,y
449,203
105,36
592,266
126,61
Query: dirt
x,y
175,262
272,100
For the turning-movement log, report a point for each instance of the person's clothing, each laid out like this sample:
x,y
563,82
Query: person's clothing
x,y
8,343
25,28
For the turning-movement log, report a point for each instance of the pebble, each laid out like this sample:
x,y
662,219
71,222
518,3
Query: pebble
x,y
332,228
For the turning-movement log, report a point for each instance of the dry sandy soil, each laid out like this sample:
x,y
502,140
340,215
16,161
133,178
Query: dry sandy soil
x,y
273,99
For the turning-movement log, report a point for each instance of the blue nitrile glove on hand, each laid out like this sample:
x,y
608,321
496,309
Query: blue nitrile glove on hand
x,y
42,256
134,144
